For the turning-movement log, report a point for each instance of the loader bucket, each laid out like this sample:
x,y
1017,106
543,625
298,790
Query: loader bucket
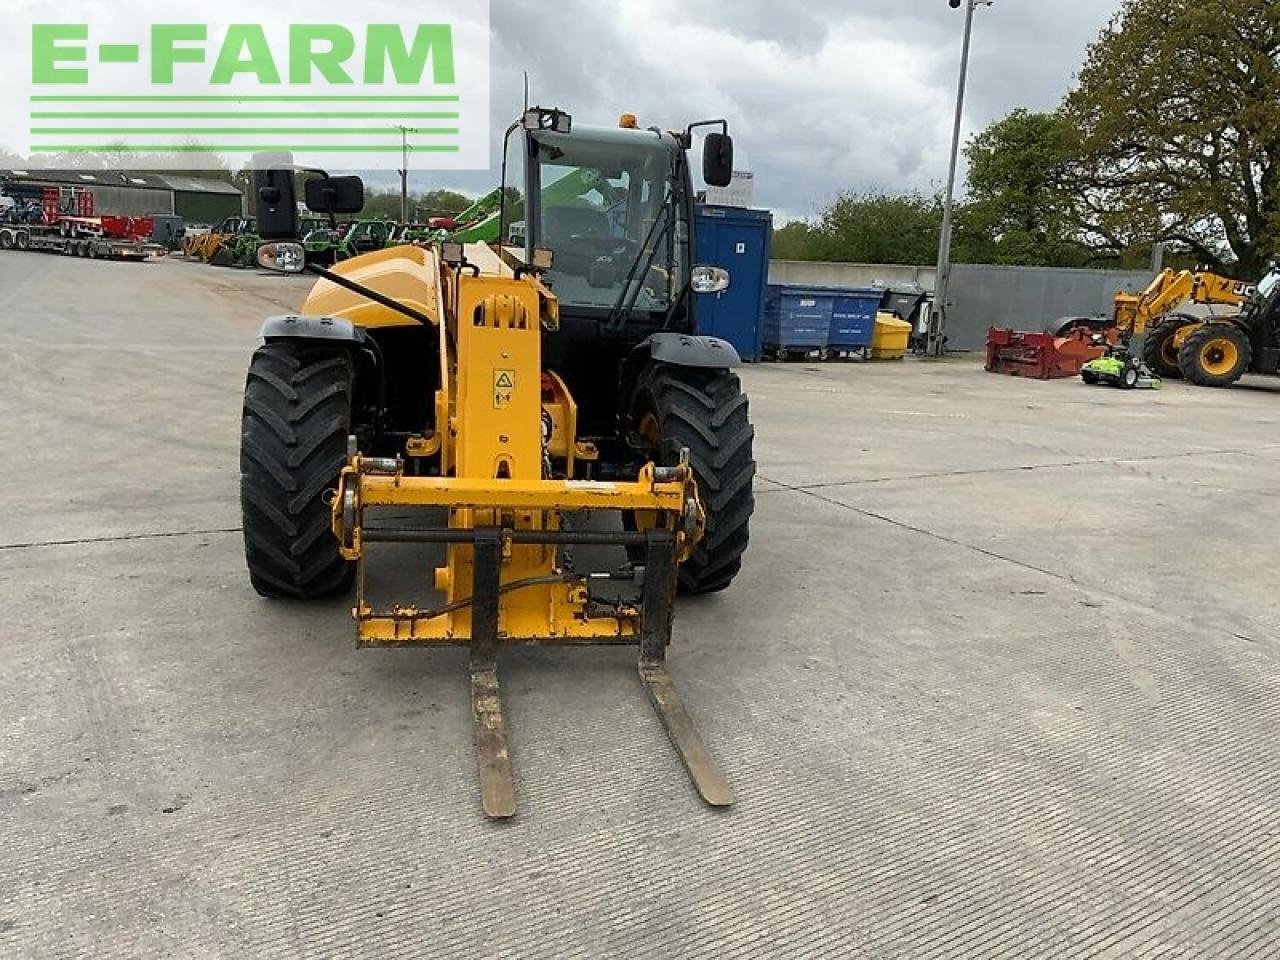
x,y
223,256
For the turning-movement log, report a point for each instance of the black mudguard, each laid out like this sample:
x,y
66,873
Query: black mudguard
x,y
292,326
689,350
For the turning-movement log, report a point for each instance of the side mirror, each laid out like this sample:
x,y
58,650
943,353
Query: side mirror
x,y
706,279
282,257
541,118
274,204
717,160
335,195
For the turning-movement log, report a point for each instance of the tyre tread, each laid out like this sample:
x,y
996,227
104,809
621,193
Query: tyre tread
x,y
707,412
296,417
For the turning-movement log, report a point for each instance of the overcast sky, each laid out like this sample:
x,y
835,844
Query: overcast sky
x,y
821,95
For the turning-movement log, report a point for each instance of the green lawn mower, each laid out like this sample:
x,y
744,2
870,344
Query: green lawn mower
x,y
1119,367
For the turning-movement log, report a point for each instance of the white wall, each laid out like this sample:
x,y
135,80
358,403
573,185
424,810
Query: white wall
x,y
822,274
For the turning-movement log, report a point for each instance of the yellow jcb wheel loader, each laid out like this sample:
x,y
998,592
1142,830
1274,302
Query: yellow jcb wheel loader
x,y
504,404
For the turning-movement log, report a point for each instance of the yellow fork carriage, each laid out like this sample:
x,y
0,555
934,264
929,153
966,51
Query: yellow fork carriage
x,y
503,579
433,383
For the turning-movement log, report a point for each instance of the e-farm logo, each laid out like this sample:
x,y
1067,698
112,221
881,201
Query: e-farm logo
x,y
169,92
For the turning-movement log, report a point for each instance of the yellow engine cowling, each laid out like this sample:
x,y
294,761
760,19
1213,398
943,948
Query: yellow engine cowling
x,y
408,274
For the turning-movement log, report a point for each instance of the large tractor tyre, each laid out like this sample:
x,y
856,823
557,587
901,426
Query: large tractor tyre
x,y
1216,355
6,240
22,241
705,411
1159,349
293,444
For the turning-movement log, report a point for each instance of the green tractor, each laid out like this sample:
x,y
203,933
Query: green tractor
x,y
325,245
320,244
241,250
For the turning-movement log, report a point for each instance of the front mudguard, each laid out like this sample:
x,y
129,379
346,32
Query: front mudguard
x,y
676,349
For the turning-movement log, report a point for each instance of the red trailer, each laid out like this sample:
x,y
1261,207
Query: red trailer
x,y
109,237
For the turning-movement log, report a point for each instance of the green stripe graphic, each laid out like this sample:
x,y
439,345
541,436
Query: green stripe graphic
x,y
239,131
240,148
249,115
295,98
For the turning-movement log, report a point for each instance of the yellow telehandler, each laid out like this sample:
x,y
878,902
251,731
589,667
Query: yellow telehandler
x,y
508,404
1153,313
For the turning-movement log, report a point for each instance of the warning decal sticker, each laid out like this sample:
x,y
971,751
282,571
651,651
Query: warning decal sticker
x,y
504,384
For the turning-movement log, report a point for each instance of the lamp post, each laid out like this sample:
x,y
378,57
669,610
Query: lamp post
x,y
404,174
937,337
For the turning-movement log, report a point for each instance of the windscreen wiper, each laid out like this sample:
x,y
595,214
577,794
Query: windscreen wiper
x,y
621,312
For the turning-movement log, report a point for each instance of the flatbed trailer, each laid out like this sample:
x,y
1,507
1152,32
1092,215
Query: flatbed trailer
x,y
75,237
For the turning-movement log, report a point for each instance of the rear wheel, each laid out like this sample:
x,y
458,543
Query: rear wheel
x,y
1159,349
293,441
1216,355
706,412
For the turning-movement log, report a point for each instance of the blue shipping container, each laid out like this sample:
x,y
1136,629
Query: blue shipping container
x,y
738,240
817,318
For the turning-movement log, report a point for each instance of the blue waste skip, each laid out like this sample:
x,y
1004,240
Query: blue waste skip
x,y
803,319
853,319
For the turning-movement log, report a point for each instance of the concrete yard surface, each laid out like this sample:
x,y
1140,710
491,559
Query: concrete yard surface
x,y
1000,679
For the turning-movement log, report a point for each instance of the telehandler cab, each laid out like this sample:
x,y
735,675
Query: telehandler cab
x,y
526,393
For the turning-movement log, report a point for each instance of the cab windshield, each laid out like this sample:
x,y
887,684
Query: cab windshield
x,y
607,211
1269,283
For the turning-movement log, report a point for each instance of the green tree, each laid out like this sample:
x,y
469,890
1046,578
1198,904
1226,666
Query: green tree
x,y
434,203
1019,209
441,203
1178,113
793,241
873,227
381,204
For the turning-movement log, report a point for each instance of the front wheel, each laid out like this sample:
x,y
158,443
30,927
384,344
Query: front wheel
x,y
704,411
1160,349
1216,355
293,444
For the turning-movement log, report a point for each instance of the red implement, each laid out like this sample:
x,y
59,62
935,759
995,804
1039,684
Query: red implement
x,y
1041,356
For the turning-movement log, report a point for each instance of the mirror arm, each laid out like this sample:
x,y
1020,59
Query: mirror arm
x,y
688,131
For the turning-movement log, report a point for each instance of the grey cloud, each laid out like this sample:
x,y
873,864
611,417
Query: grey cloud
x,y
811,130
